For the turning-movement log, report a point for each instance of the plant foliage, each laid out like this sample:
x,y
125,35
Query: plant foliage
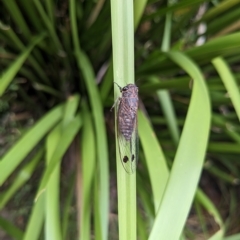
x,y
58,62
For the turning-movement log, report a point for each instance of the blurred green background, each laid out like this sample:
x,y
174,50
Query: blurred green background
x,y
58,177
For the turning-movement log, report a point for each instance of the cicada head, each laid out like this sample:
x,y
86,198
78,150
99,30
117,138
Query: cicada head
x,y
131,90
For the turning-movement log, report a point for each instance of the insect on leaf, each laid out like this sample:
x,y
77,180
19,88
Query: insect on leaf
x,y
127,127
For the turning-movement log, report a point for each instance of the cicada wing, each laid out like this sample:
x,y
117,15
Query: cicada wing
x,y
135,141
128,150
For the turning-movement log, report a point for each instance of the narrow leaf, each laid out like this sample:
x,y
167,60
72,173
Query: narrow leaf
x,y
189,158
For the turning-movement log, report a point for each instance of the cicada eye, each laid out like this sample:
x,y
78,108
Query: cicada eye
x,y
124,89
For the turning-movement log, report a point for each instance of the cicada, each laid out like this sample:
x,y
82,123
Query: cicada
x,y
127,134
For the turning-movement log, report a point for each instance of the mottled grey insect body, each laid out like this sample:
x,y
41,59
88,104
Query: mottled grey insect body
x,y
127,111
127,126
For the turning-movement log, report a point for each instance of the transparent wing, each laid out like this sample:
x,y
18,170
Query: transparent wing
x,y
128,150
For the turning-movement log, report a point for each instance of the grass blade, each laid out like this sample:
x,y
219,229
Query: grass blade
x,y
52,208
101,139
139,7
123,66
157,167
87,173
67,137
10,73
35,222
49,25
18,17
189,158
23,176
13,231
229,82
209,206
25,144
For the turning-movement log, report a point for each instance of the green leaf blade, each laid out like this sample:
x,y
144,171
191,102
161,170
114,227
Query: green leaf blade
x,y
189,158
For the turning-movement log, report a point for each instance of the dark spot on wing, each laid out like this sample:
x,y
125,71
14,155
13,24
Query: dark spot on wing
x,y
125,159
133,157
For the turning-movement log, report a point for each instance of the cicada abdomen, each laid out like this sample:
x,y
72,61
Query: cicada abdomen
x,y
127,127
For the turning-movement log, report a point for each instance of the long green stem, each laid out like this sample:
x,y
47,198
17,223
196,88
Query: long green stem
x,y
123,67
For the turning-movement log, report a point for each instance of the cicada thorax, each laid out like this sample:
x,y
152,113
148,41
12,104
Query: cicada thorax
x,y
127,127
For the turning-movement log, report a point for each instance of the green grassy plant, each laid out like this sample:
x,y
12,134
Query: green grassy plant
x,y
58,63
